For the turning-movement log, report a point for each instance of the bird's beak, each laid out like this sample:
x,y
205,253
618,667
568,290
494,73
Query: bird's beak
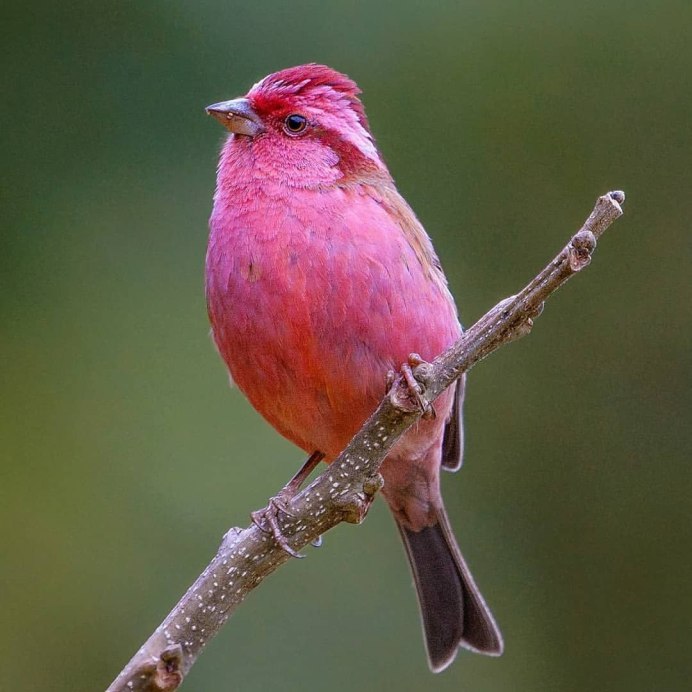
x,y
237,116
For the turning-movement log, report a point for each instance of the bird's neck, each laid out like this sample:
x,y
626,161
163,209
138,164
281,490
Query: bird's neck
x,y
320,164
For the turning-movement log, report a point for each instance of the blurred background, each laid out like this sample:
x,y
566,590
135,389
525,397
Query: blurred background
x,y
124,455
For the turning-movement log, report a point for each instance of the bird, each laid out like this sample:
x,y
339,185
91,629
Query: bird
x,y
320,280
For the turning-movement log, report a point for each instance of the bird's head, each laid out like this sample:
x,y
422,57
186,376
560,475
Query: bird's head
x,y
305,124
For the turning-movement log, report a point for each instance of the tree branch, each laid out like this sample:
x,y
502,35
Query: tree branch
x,y
344,491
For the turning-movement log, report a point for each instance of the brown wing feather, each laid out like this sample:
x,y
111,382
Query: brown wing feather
x,y
418,239
411,227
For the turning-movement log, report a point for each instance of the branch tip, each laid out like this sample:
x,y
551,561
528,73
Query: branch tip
x,y
617,196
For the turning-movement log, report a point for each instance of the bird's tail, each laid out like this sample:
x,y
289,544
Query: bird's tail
x,y
453,612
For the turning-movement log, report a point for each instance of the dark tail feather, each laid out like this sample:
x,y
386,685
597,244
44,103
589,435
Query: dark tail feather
x,y
453,441
452,609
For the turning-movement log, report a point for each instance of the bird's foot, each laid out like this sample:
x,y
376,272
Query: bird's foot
x,y
267,519
415,388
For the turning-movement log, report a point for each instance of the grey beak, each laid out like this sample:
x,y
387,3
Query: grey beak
x,y
237,116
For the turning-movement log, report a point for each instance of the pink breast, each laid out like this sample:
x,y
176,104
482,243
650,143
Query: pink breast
x,y
312,301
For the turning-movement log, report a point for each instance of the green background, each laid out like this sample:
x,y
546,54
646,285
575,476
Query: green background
x,y
125,456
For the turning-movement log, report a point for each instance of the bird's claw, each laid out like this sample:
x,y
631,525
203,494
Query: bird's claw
x,y
414,387
267,520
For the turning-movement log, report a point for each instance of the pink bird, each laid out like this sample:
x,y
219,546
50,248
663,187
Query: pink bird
x,y
320,280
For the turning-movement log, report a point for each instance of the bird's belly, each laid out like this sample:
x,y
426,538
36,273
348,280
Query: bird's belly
x,y
310,328
303,366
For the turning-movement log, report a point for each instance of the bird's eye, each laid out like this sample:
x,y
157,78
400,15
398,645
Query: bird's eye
x,y
294,124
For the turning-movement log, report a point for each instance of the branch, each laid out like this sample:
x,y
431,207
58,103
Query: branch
x,y
344,491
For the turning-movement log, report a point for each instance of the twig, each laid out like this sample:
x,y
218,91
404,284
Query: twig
x,y
345,490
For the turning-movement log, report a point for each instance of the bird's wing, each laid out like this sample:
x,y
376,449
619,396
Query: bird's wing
x,y
453,443
418,239
414,233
